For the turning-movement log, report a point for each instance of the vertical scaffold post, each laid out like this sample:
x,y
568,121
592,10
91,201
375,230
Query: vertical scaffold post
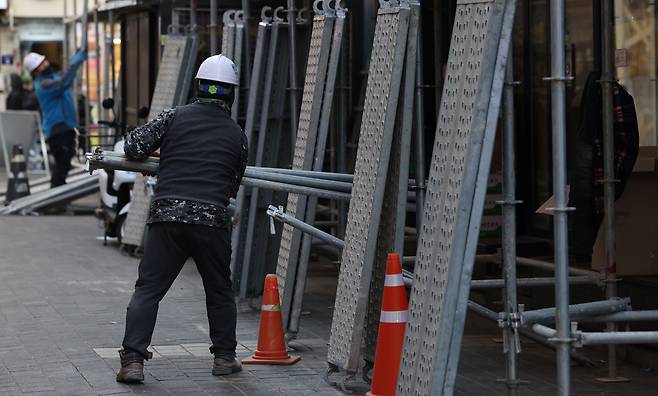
x,y
558,103
294,87
510,333
607,81
213,27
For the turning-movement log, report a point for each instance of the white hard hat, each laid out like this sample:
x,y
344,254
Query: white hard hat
x,y
32,61
218,68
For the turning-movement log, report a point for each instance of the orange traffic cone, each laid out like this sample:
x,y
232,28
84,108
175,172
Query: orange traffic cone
x,y
392,323
271,345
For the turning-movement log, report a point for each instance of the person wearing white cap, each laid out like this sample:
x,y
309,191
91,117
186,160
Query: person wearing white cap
x,y
59,116
203,156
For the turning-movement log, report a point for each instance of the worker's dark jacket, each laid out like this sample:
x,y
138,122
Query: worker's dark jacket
x,y
203,155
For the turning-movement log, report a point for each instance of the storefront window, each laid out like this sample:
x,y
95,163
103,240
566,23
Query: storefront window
x,y
635,60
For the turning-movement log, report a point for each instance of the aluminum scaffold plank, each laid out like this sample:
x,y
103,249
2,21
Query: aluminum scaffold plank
x,y
372,164
455,196
309,118
318,165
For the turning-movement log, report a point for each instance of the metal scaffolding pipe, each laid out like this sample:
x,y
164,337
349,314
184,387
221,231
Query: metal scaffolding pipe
x,y
98,61
300,180
577,310
491,315
607,80
193,22
551,267
280,215
213,27
529,282
107,26
510,304
620,317
560,231
419,137
294,87
603,338
617,337
479,284
291,188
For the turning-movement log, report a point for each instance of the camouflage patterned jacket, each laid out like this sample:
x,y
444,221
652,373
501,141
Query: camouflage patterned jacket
x,y
147,139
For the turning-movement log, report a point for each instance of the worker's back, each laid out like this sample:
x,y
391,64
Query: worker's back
x,y
201,155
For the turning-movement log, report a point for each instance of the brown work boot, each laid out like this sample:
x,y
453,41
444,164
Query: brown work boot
x,y
132,367
226,366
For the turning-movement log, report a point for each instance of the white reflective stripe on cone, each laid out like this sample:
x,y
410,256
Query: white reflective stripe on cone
x,y
394,280
394,316
270,307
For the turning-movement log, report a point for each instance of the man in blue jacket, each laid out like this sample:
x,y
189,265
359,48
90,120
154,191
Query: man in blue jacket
x,y
59,116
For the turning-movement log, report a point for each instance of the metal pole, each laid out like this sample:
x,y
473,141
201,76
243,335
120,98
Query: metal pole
x,y
98,60
246,12
66,35
294,88
577,310
607,338
551,266
479,284
85,45
213,27
509,230
110,16
558,104
626,316
419,141
296,189
618,337
279,214
192,13
107,27
491,315
607,78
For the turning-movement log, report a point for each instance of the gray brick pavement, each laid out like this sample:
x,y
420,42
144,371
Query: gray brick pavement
x,y
62,308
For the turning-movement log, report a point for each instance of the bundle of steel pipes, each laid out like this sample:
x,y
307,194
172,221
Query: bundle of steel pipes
x,y
320,184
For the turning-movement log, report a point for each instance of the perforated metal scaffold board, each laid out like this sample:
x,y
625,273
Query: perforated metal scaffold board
x,y
309,118
455,195
377,126
170,87
391,227
318,164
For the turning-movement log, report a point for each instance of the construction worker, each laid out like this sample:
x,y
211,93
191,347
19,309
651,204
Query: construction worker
x,y
203,155
59,117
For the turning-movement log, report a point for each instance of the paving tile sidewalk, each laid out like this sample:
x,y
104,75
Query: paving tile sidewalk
x,y
62,310
62,313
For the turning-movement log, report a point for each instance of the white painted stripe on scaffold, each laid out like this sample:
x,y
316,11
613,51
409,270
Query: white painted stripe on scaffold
x,y
394,316
270,307
394,280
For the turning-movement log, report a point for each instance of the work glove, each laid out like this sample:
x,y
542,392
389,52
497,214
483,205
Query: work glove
x,y
79,57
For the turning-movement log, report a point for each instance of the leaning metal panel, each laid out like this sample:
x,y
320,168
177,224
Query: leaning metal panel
x,y
228,33
378,124
450,193
395,201
271,114
253,107
480,178
303,154
172,65
318,163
